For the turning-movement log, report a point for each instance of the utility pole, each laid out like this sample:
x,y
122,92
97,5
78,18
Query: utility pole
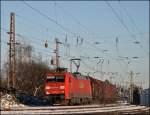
x,y
57,52
131,86
100,62
101,68
12,53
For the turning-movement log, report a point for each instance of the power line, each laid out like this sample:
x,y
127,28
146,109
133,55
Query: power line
x,y
33,48
24,37
38,50
44,50
62,9
50,19
39,25
77,21
94,46
80,50
124,25
120,20
131,19
34,39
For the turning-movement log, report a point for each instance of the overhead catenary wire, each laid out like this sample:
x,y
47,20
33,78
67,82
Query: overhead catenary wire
x,y
41,51
90,59
44,50
35,40
89,66
87,30
43,15
132,21
62,9
124,25
80,24
92,68
49,18
39,25
75,19
32,39
97,50
130,18
37,50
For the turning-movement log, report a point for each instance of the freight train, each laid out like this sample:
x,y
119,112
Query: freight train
x,y
73,88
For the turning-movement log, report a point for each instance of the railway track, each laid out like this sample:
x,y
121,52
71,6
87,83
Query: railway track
x,y
110,109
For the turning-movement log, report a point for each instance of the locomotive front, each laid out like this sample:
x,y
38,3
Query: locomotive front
x,y
55,87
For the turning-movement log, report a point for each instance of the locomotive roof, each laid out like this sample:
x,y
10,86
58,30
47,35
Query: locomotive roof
x,y
79,75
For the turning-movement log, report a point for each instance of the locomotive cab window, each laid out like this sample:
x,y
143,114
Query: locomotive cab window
x,y
55,79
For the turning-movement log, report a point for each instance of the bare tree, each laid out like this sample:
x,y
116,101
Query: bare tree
x,y
29,72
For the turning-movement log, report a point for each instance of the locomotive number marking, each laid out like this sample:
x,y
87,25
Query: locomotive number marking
x,y
81,85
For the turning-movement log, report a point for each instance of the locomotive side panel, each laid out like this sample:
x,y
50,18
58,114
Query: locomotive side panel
x,y
80,88
67,86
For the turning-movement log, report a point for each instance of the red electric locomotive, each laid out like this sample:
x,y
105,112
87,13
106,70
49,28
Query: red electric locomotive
x,y
72,88
67,88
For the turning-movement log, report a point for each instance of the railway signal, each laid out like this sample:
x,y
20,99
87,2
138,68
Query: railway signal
x,y
56,51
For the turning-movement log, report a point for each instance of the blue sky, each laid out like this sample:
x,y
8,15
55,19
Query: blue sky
x,y
94,21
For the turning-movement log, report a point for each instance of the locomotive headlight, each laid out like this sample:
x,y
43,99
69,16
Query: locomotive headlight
x,y
62,87
47,87
47,93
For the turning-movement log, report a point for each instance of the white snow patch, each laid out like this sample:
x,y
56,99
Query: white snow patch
x,y
8,101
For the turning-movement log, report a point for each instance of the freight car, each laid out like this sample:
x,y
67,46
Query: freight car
x,y
72,88
110,92
103,91
97,90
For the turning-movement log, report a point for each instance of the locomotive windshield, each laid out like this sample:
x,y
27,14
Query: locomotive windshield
x,y
55,79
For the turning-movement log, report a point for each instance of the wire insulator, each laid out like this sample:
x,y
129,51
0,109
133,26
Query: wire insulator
x,y
46,44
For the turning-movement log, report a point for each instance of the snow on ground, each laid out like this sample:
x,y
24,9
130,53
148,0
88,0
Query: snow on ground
x,y
8,101
75,110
